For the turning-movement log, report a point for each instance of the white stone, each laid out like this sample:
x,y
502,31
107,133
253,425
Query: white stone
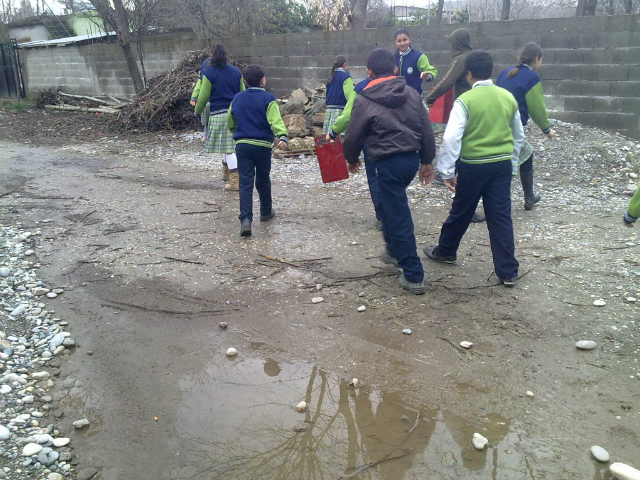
x,y
44,438
19,310
52,295
14,377
624,472
586,345
231,352
355,382
31,449
317,300
47,354
56,340
301,407
55,476
362,308
4,389
28,253
40,291
4,272
479,442
78,424
530,394
61,442
599,303
40,375
631,299
28,399
600,453
407,331
466,345
5,433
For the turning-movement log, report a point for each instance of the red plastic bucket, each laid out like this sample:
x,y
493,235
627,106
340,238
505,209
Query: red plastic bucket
x,y
333,166
440,110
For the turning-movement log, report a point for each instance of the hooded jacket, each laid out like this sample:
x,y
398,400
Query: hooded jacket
x,y
388,117
460,41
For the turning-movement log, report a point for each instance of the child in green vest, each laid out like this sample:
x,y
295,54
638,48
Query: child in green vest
x,y
485,133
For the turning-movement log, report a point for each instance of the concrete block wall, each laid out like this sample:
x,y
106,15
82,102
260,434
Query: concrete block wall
x,y
591,71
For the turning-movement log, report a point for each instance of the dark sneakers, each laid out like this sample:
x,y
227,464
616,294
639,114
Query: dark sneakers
x,y
509,282
266,218
531,201
245,227
436,255
387,258
415,288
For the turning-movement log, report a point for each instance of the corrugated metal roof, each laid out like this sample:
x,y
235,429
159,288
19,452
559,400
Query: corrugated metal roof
x,y
64,41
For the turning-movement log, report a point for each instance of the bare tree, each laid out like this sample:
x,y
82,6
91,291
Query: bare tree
x,y
358,15
439,11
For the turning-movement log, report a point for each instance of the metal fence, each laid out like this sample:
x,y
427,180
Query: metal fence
x,y
11,84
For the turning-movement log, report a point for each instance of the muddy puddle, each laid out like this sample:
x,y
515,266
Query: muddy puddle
x,y
238,420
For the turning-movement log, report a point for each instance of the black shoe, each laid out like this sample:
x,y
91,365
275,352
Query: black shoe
x,y
415,288
509,282
379,225
436,255
531,201
266,218
245,228
387,258
477,218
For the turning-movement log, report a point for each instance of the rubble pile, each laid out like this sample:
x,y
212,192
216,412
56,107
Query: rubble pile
x,y
303,115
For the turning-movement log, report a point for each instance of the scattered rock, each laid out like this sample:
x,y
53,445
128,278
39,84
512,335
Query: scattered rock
x,y
223,325
631,299
301,427
61,442
31,449
362,308
80,424
624,472
4,272
466,345
530,394
69,342
600,454
317,300
301,407
479,442
354,383
407,331
86,474
231,352
55,476
405,419
599,303
296,125
5,433
38,291
586,345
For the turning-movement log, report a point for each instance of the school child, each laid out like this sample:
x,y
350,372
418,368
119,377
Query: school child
x,y
633,210
485,132
254,118
389,118
460,46
204,118
524,84
338,128
220,83
339,89
412,65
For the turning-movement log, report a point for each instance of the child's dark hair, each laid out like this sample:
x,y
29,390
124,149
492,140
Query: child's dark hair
x,y
337,63
253,75
218,55
529,53
381,62
480,64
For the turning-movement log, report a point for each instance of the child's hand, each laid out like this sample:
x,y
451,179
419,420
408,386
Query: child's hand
x,y
551,134
354,167
192,103
281,145
426,76
328,138
450,183
426,174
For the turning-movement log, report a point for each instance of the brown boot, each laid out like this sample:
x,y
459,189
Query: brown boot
x,y
232,186
225,172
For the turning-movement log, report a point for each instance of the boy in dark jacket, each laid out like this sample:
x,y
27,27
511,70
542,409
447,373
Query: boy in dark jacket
x,y
389,119
254,119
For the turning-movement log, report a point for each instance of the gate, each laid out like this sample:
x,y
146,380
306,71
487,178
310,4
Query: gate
x,y
11,84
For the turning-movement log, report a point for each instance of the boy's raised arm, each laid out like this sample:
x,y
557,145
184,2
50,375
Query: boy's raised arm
x,y
452,140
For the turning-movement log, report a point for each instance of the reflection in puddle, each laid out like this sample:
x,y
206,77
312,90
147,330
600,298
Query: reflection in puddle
x,y
237,422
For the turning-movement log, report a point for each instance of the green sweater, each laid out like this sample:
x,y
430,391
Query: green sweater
x,y
487,135
633,210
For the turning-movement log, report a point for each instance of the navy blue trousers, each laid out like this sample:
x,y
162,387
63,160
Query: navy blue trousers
x,y
254,163
372,180
492,183
395,173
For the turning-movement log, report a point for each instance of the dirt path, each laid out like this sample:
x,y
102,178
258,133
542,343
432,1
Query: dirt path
x,y
148,252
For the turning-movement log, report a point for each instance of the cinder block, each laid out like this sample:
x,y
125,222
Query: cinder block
x,y
613,72
608,121
608,104
626,56
503,42
555,72
522,40
595,88
556,40
565,57
615,39
578,104
582,40
625,89
634,72
570,117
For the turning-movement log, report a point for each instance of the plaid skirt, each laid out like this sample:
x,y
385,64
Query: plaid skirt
x,y
330,117
204,117
219,139
525,152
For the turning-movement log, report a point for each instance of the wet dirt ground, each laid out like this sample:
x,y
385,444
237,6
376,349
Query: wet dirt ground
x,y
146,246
